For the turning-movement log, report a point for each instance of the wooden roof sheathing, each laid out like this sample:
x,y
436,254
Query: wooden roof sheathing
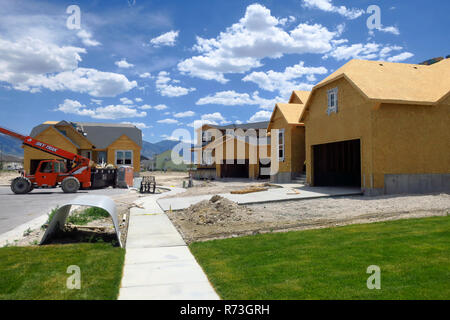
x,y
299,96
396,82
291,112
391,82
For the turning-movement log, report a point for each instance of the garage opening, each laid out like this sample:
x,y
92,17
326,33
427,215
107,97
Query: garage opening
x,y
234,170
337,164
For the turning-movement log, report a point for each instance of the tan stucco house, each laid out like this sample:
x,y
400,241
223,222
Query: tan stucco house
x,y
380,126
290,156
216,161
117,144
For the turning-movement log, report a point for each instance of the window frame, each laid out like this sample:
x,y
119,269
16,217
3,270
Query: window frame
x,y
207,158
124,158
282,145
332,107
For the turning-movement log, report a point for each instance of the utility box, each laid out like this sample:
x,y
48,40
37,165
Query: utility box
x,y
125,177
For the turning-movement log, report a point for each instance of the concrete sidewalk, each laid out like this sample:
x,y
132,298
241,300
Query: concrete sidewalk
x,y
158,263
286,193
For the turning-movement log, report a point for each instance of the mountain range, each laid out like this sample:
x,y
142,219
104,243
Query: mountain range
x,y
11,146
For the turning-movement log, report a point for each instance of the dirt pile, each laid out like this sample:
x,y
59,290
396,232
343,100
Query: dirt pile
x,y
217,210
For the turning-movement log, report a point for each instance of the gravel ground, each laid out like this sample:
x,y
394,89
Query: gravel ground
x,y
306,214
219,186
7,176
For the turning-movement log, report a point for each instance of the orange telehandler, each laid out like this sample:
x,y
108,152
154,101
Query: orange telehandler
x,y
51,173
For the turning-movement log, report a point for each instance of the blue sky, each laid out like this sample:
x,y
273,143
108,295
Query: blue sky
x,y
165,64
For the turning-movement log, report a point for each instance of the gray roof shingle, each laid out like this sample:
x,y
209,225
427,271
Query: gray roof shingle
x,y
100,134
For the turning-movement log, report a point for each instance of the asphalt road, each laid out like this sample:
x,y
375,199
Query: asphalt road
x,y
17,209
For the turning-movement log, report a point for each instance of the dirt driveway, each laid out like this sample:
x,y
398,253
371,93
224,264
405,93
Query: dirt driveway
x,y
222,218
201,187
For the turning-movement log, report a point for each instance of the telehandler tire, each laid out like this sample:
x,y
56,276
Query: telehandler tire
x,y
70,185
21,185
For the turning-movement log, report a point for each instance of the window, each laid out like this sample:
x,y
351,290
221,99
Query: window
x,y
60,167
281,145
46,167
124,157
101,157
207,157
206,136
332,101
86,154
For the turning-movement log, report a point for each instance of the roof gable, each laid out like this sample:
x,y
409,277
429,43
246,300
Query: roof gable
x,y
52,128
291,112
391,82
128,138
299,97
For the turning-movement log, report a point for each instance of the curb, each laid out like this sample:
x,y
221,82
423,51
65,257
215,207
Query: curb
x,y
17,233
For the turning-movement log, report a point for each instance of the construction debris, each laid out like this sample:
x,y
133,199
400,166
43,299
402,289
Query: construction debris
x,y
216,210
249,190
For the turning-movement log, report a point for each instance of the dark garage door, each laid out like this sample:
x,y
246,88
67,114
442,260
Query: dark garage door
x,y
234,170
337,164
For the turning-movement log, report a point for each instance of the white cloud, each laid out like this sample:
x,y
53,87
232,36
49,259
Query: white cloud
x,y
401,57
355,51
327,5
184,114
166,39
368,51
145,107
256,36
168,121
233,98
139,125
30,57
109,112
138,99
86,38
285,21
283,82
31,64
145,75
261,115
214,118
390,29
84,80
118,112
75,107
387,50
160,107
166,89
123,64
97,101
126,101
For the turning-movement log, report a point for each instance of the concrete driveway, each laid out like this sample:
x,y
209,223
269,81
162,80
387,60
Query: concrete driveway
x,y
16,209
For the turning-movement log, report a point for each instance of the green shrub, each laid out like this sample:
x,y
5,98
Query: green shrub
x,y
87,215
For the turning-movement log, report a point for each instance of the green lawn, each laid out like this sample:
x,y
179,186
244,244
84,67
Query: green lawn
x,y
40,272
413,254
